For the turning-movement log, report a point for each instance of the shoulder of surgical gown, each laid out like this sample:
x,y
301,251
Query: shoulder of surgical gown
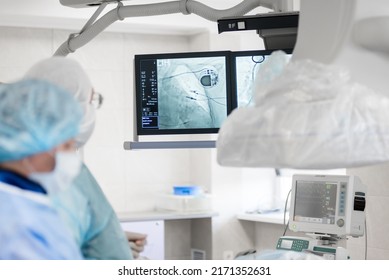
x,y
92,219
30,228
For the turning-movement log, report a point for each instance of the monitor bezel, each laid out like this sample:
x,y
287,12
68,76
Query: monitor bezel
x,y
234,56
151,131
309,227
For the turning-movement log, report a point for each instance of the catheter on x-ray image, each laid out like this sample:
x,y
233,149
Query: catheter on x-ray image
x,y
246,70
192,92
247,66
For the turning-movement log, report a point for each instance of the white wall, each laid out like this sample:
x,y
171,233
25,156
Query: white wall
x,y
20,48
376,178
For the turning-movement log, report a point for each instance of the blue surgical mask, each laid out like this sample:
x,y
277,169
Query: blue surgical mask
x,y
67,167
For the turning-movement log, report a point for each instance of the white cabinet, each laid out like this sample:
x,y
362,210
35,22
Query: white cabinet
x,y
172,235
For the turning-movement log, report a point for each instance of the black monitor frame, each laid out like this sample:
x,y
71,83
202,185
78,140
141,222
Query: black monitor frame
x,y
138,84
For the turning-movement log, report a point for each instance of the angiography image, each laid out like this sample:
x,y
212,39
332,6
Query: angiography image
x,y
246,71
192,92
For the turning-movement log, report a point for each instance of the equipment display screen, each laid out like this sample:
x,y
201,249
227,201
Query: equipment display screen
x,y
315,202
245,65
286,244
182,93
189,93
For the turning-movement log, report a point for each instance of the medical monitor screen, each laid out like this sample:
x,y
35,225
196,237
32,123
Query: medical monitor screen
x,y
185,93
315,202
245,65
327,204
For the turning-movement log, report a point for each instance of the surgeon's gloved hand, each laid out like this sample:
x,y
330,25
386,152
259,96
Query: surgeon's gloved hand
x,y
137,242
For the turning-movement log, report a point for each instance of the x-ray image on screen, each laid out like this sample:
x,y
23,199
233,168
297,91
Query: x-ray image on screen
x,y
247,65
246,71
182,94
191,92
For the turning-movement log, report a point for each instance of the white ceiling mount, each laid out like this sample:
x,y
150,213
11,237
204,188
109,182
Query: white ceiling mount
x,y
84,3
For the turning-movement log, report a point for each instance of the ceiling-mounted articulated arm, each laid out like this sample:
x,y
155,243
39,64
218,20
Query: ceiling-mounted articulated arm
x,y
91,30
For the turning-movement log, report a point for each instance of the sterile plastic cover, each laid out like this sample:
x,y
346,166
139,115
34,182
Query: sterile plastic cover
x,y
308,116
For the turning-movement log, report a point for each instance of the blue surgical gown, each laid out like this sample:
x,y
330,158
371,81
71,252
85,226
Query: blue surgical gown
x,y
30,228
93,222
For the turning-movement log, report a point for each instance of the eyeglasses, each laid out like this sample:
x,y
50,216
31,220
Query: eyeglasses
x,y
97,100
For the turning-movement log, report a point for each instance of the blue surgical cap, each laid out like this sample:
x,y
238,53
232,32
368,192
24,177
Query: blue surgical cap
x,y
35,117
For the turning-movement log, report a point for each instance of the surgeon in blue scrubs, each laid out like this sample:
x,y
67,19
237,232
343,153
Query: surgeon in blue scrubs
x,y
84,207
38,123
